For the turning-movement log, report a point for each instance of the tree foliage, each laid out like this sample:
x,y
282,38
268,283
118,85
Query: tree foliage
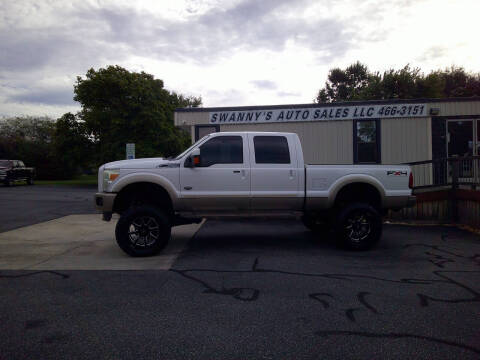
x,y
72,145
345,84
57,149
356,82
119,107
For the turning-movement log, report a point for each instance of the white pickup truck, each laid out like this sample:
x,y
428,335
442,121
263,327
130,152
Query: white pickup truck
x,y
259,174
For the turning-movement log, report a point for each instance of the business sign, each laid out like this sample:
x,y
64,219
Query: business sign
x,y
130,151
319,113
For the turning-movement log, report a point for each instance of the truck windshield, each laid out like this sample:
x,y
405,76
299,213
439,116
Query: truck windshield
x,y
178,157
4,163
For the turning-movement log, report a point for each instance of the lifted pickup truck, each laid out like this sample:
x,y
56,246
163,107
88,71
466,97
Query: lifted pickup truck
x,y
15,170
242,174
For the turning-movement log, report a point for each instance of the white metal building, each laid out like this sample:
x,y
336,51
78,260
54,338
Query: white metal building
x,y
385,132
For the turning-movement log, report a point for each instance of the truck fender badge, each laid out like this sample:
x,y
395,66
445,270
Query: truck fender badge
x,y
396,173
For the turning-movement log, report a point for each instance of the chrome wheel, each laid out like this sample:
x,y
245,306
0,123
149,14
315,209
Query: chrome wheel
x,y
358,227
144,231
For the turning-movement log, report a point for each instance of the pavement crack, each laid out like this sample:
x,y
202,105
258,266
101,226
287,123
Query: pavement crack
x,y
361,297
64,276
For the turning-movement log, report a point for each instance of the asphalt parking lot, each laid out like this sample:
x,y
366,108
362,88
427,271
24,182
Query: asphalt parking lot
x,y
22,204
257,289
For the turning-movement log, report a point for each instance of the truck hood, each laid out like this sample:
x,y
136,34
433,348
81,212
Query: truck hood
x,y
147,163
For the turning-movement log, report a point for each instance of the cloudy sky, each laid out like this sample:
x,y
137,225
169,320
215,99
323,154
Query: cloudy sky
x,y
237,52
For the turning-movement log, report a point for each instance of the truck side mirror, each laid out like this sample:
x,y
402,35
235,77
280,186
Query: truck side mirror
x,y
194,158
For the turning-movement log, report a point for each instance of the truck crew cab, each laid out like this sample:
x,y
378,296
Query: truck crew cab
x,y
247,174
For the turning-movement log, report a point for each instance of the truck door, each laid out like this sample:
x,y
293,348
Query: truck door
x,y
275,173
221,181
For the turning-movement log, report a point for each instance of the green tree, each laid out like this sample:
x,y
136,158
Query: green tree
x,y
72,146
344,85
30,139
57,149
356,82
119,107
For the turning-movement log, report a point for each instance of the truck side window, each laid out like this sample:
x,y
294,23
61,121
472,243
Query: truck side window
x,y
222,150
271,150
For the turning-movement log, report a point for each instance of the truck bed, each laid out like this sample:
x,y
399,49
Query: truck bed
x,y
323,181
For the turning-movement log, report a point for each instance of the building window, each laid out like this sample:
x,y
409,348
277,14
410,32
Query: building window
x,y
366,141
271,150
222,150
203,130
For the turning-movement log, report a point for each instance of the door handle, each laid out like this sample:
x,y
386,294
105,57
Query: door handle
x,y
236,171
187,187
292,173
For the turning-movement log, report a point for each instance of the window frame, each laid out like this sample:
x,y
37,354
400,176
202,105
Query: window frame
x,y
290,155
197,129
223,163
378,141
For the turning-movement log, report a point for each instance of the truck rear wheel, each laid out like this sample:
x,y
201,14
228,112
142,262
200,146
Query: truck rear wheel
x,y
143,231
358,226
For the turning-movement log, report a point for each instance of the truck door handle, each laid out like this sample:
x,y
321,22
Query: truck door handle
x,y
236,171
187,187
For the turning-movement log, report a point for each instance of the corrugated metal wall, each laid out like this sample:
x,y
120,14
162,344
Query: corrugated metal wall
x,y
457,108
331,142
327,142
406,140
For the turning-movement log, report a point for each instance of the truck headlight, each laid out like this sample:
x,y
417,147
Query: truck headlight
x,y
109,177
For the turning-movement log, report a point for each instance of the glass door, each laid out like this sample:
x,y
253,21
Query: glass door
x,y
460,144
476,147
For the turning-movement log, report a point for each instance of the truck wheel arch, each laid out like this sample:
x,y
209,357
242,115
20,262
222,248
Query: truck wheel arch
x,y
143,193
359,191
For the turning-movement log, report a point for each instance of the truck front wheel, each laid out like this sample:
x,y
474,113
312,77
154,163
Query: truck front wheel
x,y
358,226
143,231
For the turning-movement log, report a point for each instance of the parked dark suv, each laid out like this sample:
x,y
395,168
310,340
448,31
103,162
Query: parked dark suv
x,y
14,170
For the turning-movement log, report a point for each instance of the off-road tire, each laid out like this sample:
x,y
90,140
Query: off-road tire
x,y
358,226
137,227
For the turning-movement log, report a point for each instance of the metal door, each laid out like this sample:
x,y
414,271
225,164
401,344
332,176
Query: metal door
x,y
221,182
275,183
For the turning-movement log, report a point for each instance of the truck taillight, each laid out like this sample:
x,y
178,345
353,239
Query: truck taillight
x,y
410,180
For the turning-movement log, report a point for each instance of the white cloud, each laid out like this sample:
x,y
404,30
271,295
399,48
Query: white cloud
x,y
242,52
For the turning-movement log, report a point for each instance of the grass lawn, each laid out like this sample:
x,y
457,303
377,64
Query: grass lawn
x,y
81,180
